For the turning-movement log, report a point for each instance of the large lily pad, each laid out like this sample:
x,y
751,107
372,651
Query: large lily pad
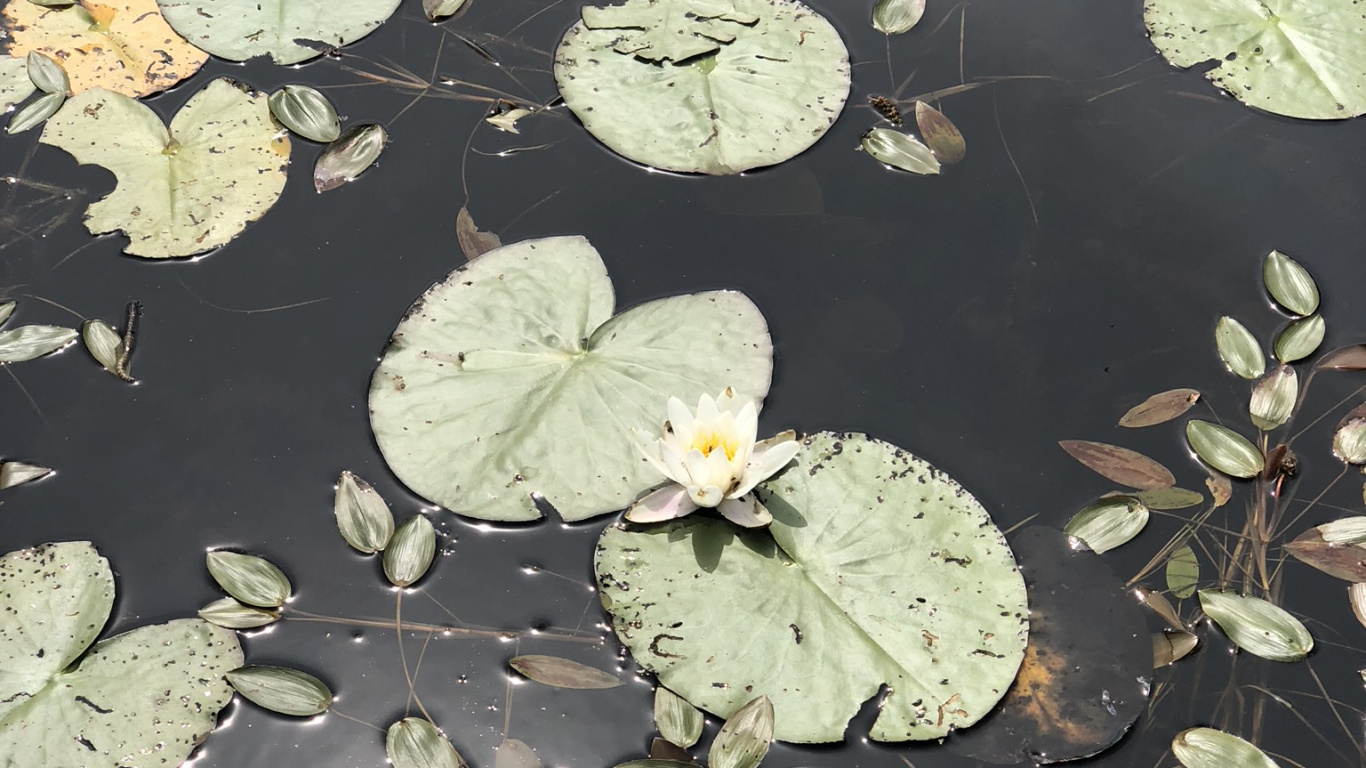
x,y
180,192
123,46
15,85
705,86
145,697
289,31
878,569
512,379
1292,57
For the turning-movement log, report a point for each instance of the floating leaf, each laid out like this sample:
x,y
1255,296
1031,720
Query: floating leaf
x,y
124,46
1089,656
1344,530
1290,284
894,17
306,112
415,743
15,84
1183,572
1349,441
47,75
661,749
104,343
1208,748
744,740
252,580
1220,488
652,763
473,241
1160,605
1224,449
153,690
35,112
1171,646
180,192
440,9
1343,561
231,614
349,156
1169,498
1356,595
283,690
900,150
31,341
1257,626
901,579
1160,408
362,515
679,722
1108,523
516,355
1239,349
1349,358
410,551
14,473
1299,339
289,31
6,309
1273,397
507,121
770,88
940,134
1121,465
512,753
563,673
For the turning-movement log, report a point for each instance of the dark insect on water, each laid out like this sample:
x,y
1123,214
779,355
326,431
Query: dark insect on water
x,y
887,108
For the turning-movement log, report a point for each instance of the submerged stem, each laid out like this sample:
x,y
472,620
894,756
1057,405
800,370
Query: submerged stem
x,y
446,630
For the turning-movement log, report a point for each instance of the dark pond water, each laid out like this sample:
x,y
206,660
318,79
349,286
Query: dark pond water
x,y
1108,211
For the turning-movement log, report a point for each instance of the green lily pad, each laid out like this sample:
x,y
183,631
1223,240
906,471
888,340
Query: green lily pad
x,y
878,569
154,691
1292,58
704,86
511,380
185,190
289,31
15,84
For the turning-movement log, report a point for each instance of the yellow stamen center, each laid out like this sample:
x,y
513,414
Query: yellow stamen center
x,y
706,442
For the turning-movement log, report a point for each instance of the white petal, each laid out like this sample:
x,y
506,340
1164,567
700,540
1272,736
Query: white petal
x,y
681,420
746,430
720,472
764,462
706,409
667,503
745,511
706,495
727,401
699,471
674,467
648,447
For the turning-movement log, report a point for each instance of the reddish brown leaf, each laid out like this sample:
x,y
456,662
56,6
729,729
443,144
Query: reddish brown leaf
x,y
563,673
1221,488
667,750
1123,466
1161,407
940,134
473,241
1350,358
1343,561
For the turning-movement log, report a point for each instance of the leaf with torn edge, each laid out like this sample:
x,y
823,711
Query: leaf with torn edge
x,y
675,30
473,241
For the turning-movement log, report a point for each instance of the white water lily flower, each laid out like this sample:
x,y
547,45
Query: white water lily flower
x,y
713,459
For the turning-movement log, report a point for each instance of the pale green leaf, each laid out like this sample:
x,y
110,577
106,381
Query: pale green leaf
x,y
415,743
15,84
410,551
876,553
289,31
1257,626
227,612
104,343
1345,530
1108,523
1304,60
1349,441
180,192
1290,284
659,30
30,341
760,99
1169,498
744,740
1239,349
6,309
440,9
679,722
47,75
252,580
348,156
496,372
14,473
514,753
900,150
283,690
307,112
35,112
1356,596
1208,748
1299,339
563,673
1273,397
363,517
1183,572
1224,449
893,17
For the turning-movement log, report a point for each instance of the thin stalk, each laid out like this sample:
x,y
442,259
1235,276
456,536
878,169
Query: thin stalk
x,y
443,630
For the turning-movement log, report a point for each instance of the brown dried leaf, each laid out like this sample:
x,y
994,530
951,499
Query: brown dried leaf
x,y
123,46
1160,605
473,241
940,134
1161,407
1123,466
1221,488
1349,358
1170,647
563,673
663,749
1343,561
